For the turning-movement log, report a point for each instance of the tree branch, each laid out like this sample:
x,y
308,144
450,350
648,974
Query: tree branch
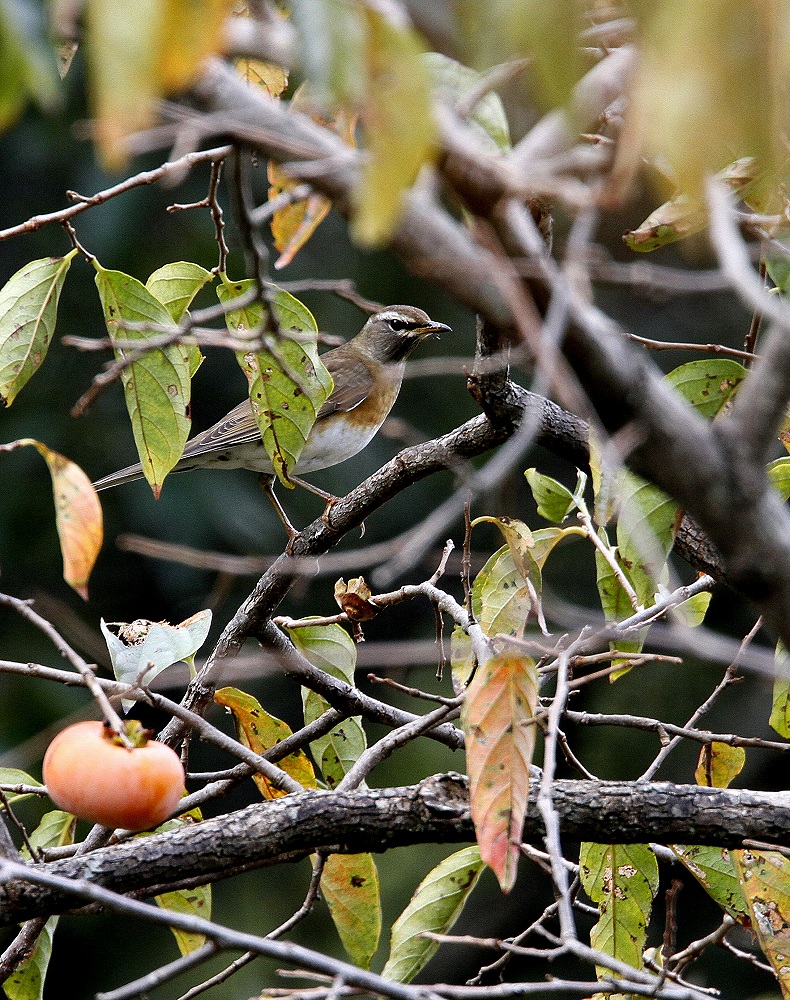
x,y
435,810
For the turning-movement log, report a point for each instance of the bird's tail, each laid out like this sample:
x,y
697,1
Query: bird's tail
x,y
127,475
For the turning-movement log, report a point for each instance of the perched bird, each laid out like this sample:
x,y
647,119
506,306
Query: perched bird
x,y
367,373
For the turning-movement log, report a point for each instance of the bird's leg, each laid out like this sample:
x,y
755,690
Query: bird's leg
x,y
330,498
267,485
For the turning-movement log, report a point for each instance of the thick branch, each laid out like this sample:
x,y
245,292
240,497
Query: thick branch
x,y
436,810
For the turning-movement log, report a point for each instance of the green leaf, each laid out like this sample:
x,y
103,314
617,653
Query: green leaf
x,y
646,527
156,385
397,120
692,611
457,82
779,476
13,776
288,382
434,908
29,67
194,902
176,284
712,867
521,542
260,731
331,649
56,829
26,982
28,312
684,215
623,880
143,649
708,385
780,707
554,500
500,598
350,886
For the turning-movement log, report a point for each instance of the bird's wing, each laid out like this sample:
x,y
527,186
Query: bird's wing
x,y
352,387
238,427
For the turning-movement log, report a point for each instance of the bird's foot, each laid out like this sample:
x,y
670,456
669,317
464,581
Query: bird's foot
x,y
326,517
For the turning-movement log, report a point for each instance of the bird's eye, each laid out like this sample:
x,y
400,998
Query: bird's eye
x,y
397,325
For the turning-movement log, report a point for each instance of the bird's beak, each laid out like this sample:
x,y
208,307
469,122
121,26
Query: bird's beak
x,y
437,329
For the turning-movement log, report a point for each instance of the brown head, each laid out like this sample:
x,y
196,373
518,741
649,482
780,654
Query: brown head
x,y
391,335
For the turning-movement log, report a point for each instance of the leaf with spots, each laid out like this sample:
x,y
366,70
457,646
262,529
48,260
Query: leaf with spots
x,y
433,909
157,382
28,312
708,385
498,720
713,868
260,731
350,886
194,902
623,880
78,514
288,383
765,880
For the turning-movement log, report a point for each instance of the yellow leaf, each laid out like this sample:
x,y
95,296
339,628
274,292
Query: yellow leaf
x,y
271,77
765,879
293,225
398,123
123,55
191,30
719,765
260,732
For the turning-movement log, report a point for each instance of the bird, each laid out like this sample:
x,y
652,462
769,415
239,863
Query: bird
x,y
367,372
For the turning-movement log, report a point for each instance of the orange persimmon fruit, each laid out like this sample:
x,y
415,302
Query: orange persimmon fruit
x,y
90,773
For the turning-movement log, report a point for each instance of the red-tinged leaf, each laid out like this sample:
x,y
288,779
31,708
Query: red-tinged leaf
x,y
260,732
765,880
78,514
498,721
350,886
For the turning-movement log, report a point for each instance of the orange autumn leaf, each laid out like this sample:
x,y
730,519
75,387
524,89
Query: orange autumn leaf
x,y
498,721
78,514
